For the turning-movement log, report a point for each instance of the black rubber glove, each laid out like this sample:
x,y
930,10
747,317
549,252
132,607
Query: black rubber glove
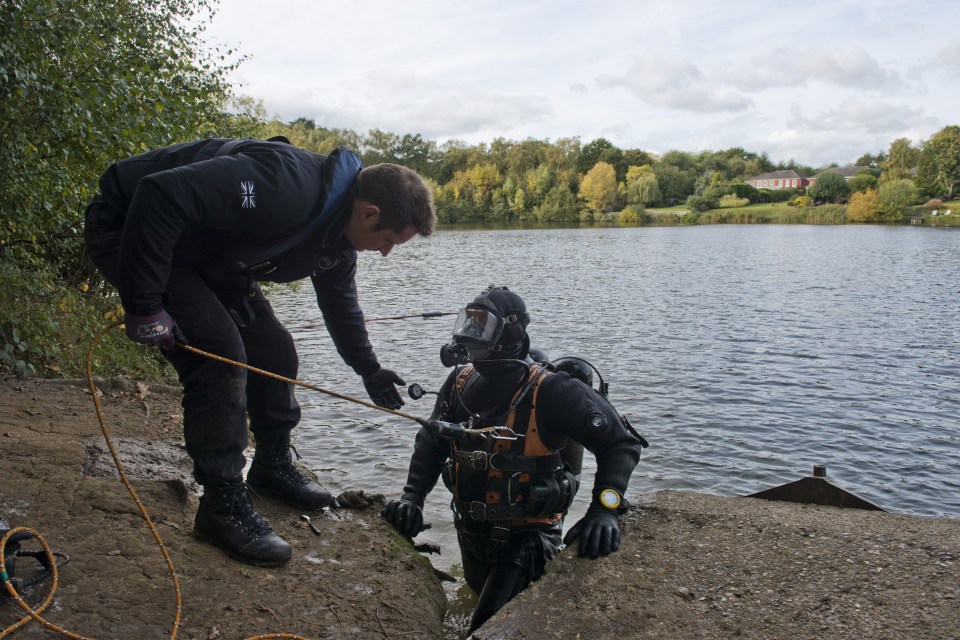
x,y
380,385
598,531
406,516
155,329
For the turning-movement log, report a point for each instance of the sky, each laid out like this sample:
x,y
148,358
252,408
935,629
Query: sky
x,y
817,82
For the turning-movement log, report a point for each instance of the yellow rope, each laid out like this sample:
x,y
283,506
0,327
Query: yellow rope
x,y
35,614
298,382
13,592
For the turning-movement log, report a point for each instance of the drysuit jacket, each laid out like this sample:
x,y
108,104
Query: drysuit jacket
x,y
241,211
567,409
192,228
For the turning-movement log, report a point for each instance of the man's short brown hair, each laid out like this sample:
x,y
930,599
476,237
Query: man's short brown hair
x,y
402,196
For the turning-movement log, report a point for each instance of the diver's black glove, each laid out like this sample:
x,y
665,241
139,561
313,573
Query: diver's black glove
x,y
405,515
380,386
599,532
154,329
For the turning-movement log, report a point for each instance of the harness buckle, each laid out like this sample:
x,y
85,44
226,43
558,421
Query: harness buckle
x,y
478,511
500,534
479,460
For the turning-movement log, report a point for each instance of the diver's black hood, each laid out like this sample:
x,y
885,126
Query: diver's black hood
x,y
514,341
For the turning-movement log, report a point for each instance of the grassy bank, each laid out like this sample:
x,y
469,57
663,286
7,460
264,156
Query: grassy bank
x,y
781,213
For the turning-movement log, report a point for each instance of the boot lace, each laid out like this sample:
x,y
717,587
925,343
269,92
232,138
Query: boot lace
x,y
240,512
283,467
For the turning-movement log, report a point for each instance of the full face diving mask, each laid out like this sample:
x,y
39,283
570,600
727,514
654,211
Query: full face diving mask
x,y
476,335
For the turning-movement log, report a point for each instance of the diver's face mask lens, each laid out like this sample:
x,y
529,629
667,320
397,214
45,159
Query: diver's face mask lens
x,y
477,328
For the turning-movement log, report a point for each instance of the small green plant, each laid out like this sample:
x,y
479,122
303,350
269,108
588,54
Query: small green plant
x,y
632,214
46,328
697,204
731,200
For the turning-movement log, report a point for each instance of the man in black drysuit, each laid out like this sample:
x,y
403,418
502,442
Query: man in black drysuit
x,y
510,493
186,233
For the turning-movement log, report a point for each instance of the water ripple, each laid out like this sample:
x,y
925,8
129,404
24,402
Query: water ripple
x,y
746,354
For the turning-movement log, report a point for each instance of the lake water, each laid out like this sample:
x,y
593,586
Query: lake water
x,y
744,354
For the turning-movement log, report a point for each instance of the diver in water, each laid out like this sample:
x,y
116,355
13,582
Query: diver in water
x,y
511,471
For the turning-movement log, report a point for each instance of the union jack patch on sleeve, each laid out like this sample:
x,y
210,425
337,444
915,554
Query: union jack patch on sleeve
x,y
248,198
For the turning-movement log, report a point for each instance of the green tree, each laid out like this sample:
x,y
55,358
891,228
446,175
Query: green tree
x,y
637,158
518,204
454,157
379,146
874,162
675,183
939,169
250,118
598,189
536,183
559,205
755,165
744,190
895,196
829,186
862,181
679,159
414,152
641,185
482,180
614,157
901,160
697,205
563,154
591,154
526,156
84,83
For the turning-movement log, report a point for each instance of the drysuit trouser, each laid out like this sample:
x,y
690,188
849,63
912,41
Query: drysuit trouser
x,y
227,316
499,571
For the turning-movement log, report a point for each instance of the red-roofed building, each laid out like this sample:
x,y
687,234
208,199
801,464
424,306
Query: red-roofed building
x,y
788,179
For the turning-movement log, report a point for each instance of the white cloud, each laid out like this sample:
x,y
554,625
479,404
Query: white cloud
x,y
667,81
691,76
851,67
861,116
949,57
412,104
843,134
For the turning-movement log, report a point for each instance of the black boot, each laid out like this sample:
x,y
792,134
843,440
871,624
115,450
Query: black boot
x,y
226,519
273,473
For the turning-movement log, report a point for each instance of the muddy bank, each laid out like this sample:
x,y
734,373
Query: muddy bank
x,y
699,566
691,565
357,579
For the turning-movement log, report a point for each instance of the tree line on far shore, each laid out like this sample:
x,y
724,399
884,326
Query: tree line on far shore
x,y
566,181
